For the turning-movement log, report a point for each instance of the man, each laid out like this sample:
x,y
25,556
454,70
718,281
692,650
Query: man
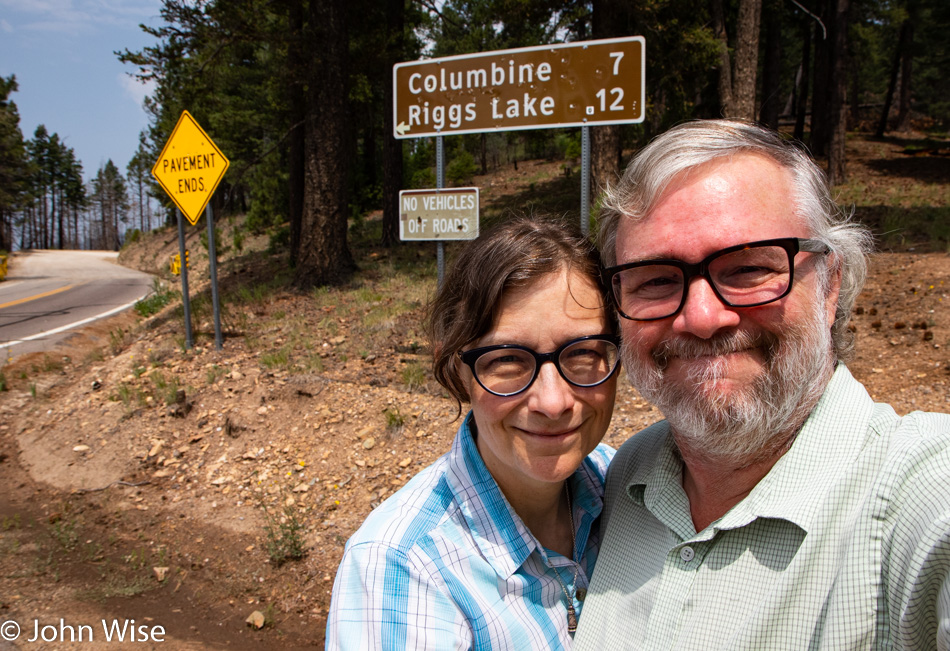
x,y
777,506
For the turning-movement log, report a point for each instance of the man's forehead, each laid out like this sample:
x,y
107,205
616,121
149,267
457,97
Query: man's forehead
x,y
726,201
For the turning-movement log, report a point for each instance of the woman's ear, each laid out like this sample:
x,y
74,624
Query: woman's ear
x,y
465,378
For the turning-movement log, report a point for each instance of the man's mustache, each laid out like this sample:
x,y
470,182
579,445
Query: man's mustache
x,y
690,347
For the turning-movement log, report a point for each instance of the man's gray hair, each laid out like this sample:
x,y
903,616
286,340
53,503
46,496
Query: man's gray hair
x,y
692,144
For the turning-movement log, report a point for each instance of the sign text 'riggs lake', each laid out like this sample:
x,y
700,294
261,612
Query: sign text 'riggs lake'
x,y
571,84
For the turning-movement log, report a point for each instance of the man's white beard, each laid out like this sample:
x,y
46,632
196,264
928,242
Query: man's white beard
x,y
749,424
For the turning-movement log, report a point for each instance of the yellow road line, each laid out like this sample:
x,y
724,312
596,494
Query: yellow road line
x,y
33,298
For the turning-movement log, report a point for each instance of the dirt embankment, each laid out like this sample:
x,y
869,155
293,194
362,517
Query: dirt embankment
x,y
143,481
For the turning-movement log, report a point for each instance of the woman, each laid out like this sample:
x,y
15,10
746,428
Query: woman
x,y
493,544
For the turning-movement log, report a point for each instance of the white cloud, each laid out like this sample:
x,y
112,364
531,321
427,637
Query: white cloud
x,y
80,16
5,26
135,89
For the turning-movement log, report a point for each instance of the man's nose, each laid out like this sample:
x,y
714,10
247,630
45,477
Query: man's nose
x,y
551,394
703,314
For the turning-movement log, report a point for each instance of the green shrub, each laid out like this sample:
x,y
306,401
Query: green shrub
x,y
284,537
413,376
279,240
66,533
154,302
237,236
276,359
394,420
166,390
424,178
461,168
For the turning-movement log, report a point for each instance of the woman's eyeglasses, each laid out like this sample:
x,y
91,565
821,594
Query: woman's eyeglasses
x,y
508,369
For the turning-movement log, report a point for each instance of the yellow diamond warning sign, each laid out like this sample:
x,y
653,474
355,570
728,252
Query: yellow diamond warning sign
x,y
190,167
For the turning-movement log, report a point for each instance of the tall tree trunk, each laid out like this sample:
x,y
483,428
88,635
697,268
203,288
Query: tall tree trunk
x,y
725,65
892,84
59,220
106,230
106,227
392,148
772,69
141,203
737,78
907,61
801,103
483,152
324,256
610,18
34,231
605,157
368,156
44,222
116,243
746,59
821,81
837,131
297,104
855,104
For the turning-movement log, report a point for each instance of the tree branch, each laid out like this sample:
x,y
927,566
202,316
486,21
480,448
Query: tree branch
x,y
261,157
824,32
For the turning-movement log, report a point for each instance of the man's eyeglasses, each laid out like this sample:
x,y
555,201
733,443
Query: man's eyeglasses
x,y
745,275
508,369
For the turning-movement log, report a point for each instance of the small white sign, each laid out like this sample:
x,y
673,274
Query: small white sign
x,y
447,214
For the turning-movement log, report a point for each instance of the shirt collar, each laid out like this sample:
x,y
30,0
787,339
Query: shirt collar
x,y
657,480
834,432
500,534
827,445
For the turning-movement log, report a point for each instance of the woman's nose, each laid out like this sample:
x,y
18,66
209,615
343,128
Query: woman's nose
x,y
551,394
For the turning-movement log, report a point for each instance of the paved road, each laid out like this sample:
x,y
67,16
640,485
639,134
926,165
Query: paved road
x,y
49,295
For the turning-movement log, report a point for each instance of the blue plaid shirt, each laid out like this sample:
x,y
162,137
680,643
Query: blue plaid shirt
x,y
445,563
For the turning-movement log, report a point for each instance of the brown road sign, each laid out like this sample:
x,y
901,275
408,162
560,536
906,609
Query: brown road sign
x,y
190,167
571,84
450,214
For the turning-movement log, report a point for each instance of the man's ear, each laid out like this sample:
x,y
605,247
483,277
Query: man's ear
x,y
834,289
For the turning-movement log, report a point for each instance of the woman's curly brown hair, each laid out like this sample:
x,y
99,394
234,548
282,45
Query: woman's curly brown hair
x,y
511,254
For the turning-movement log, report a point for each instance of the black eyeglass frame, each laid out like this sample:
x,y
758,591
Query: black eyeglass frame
x,y
792,246
469,357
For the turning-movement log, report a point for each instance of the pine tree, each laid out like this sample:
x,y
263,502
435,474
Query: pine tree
x,y
13,164
139,175
110,199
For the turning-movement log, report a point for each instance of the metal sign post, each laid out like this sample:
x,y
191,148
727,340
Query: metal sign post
x,y
439,184
585,180
185,300
189,169
213,268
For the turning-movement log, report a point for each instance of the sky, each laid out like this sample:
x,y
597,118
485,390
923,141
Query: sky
x,y
61,52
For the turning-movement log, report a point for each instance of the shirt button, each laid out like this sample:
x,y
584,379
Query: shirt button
x,y
687,554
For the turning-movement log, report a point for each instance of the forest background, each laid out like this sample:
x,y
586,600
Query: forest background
x,y
145,479
299,95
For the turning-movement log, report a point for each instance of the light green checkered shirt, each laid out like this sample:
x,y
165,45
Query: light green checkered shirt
x,y
845,544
